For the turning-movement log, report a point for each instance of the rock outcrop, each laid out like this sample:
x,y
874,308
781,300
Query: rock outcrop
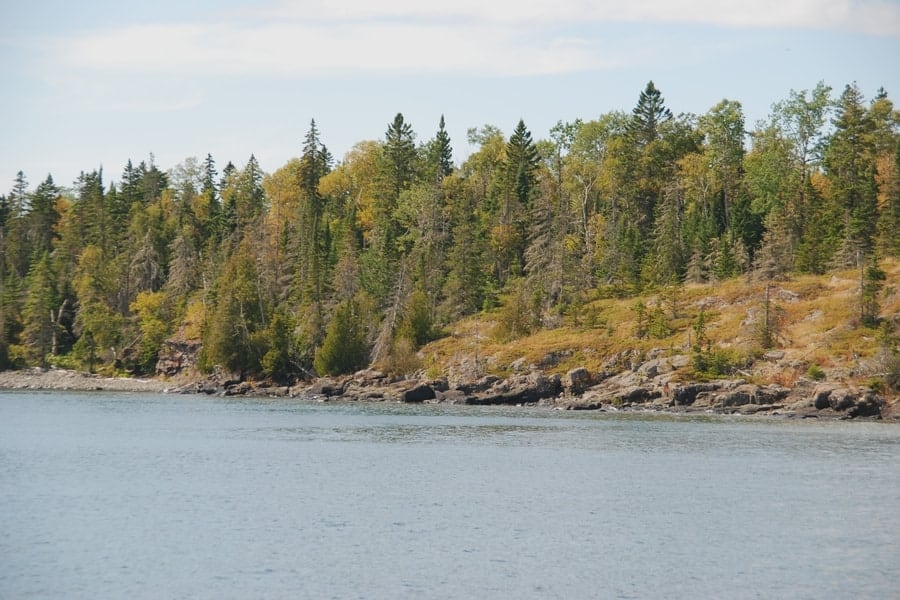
x,y
176,357
649,385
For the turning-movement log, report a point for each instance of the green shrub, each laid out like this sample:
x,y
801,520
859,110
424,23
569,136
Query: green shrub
x,y
344,348
520,314
815,373
715,362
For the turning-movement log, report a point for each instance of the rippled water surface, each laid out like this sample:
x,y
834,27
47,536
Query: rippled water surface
x,y
154,496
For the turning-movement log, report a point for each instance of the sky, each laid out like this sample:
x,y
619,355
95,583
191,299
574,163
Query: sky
x,y
93,84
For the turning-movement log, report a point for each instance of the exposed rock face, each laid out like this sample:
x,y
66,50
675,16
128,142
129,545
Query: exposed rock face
x,y
577,381
176,357
686,395
481,385
328,387
853,403
519,389
629,380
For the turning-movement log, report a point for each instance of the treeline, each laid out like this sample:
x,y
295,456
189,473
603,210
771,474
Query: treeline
x,y
326,267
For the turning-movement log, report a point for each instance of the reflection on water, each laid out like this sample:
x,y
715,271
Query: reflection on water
x,y
409,434
146,496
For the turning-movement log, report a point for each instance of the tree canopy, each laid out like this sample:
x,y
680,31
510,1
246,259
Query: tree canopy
x,y
327,266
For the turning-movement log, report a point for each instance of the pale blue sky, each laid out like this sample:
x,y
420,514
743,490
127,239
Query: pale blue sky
x,y
93,84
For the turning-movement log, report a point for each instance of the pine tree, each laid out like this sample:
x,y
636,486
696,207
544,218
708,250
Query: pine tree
x,y
344,347
396,171
130,190
183,269
399,166
232,338
100,328
18,197
277,361
209,186
889,214
5,211
153,181
16,256
518,182
850,165
520,168
872,280
227,223
42,217
647,117
90,209
466,282
775,256
666,261
41,301
315,163
440,153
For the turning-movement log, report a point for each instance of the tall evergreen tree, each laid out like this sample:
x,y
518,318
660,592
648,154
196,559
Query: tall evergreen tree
x,y
43,216
153,181
520,169
90,209
41,303
649,114
16,255
440,153
315,163
396,172
850,165
18,196
517,186
399,166
344,348
130,190
209,185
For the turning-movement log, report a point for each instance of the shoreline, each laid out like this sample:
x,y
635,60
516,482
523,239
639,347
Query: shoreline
x,y
53,379
723,398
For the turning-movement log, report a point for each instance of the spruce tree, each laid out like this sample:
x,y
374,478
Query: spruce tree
x,y
209,177
440,153
850,165
37,313
648,115
344,347
399,166
315,163
520,167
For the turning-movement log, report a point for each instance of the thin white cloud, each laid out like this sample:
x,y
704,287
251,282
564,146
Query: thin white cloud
x,y
123,93
880,17
292,48
486,37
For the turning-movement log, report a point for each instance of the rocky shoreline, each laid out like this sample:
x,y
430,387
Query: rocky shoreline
x,y
625,384
651,386
64,379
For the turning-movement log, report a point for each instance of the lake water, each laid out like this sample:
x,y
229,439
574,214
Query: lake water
x,y
156,496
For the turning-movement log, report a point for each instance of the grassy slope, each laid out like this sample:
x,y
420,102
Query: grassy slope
x,y
818,318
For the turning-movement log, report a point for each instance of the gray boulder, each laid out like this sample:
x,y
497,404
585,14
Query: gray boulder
x,y
417,394
577,381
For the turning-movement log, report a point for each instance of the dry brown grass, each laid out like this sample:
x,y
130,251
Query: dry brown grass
x,y
819,325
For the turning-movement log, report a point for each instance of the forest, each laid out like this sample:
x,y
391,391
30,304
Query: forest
x,y
326,266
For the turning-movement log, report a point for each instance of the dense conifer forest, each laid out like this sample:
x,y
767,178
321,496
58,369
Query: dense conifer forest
x,y
325,266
